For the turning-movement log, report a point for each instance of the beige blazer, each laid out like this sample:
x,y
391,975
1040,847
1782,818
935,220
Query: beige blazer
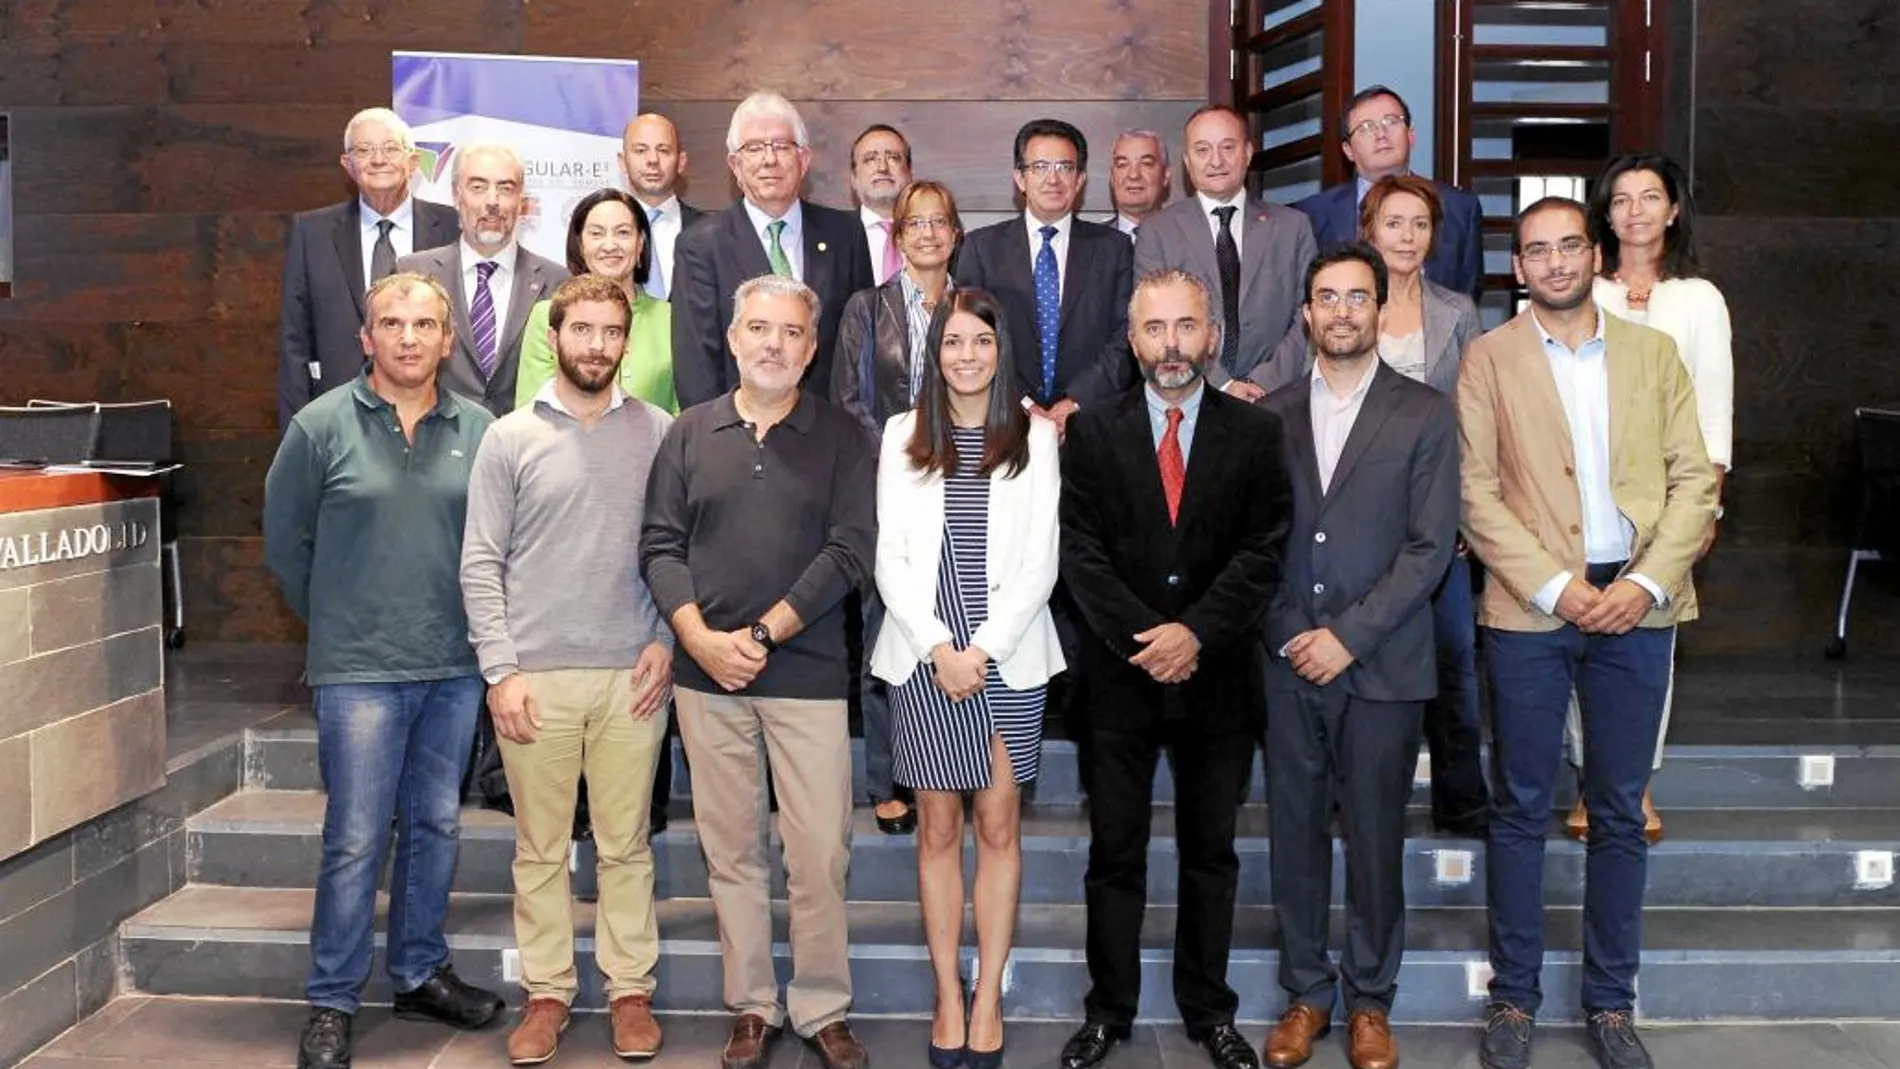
x,y
1523,513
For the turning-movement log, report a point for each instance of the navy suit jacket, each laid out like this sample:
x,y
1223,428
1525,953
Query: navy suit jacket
x,y
1457,259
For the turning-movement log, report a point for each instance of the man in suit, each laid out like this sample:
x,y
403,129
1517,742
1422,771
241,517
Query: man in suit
x,y
1174,513
880,169
771,231
492,281
653,161
337,252
1587,494
1376,135
1064,281
1351,659
1250,255
1137,178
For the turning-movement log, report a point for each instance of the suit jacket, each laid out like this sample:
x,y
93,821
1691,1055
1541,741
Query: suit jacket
x,y
715,255
1457,259
535,279
1214,570
1276,245
1375,543
323,296
1523,512
1451,325
1019,559
1093,364
878,317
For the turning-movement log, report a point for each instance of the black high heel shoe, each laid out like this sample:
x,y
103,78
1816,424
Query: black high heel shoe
x,y
952,1057
979,1059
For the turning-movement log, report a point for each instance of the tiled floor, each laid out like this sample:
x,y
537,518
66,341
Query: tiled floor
x,y
159,1033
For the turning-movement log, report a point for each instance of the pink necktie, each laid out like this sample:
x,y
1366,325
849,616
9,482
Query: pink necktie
x,y
893,262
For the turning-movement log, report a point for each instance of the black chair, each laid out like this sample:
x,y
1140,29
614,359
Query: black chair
x,y
1877,436
36,436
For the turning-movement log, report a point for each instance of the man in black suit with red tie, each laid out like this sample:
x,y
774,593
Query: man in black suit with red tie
x,y
1175,507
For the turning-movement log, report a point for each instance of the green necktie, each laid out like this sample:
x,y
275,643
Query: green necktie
x,y
774,251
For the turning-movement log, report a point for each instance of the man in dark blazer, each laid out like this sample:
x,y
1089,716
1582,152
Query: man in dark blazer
x,y
1068,306
1376,135
1175,503
770,231
1350,656
336,252
492,281
653,161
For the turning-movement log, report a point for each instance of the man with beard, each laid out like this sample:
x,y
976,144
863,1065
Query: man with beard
x,y
1374,457
1172,551
880,169
1587,495
577,659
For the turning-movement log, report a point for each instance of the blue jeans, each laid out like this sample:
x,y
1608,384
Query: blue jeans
x,y
1451,718
387,750
1621,680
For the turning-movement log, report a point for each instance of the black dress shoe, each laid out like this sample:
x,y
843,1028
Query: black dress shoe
x,y
1090,1044
902,824
1229,1049
326,1040
1470,824
656,821
444,998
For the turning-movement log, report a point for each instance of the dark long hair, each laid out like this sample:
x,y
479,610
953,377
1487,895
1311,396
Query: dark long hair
x,y
1005,426
577,222
1678,258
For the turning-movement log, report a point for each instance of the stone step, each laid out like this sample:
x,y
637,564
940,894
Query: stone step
x,y
1756,858
1698,964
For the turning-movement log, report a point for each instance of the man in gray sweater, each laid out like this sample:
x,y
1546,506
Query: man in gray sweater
x,y
578,661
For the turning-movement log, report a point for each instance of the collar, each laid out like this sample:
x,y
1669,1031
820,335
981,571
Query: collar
x,y
870,218
1549,340
913,293
725,412
547,395
1124,223
1035,226
794,218
1190,405
1320,385
404,216
448,404
1238,200
670,207
506,257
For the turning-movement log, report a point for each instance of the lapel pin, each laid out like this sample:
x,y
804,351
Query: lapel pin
x,y
821,246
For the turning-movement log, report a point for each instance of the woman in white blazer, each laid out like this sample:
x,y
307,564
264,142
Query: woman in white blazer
x,y
967,489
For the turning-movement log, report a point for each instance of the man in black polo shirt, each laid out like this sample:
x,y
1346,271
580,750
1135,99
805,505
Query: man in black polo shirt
x,y
759,521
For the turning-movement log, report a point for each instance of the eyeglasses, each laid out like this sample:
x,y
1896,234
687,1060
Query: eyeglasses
x,y
1383,122
756,150
889,157
388,150
928,222
1539,251
1045,168
1353,299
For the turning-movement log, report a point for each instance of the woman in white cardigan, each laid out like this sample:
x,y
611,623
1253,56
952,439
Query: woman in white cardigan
x,y
1642,217
967,489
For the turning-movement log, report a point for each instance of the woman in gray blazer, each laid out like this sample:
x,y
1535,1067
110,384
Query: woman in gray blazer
x,y
1423,333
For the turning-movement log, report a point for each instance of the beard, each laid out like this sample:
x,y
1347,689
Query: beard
x,y
1175,378
1544,297
1349,347
587,378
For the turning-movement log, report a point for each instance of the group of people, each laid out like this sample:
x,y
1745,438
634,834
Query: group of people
x,y
1211,486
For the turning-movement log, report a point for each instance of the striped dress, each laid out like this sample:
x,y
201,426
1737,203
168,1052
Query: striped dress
x,y
940,745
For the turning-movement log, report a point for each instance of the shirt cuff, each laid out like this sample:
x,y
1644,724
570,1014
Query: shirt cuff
x,y
496,673
1648,584
1546,597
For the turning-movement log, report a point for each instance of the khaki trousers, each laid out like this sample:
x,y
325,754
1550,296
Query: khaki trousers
x,y
586,726
727,741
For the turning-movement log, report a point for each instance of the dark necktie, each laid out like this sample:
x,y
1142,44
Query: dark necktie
x,y
382,257
1173,466
481,315
1048,309
1227,254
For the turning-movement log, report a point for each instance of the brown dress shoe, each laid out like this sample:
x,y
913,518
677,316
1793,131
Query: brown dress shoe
x,y
636,1033
1577,823
1652,820
1291,1041
750,1043
838,1049
534,1040
1369,1042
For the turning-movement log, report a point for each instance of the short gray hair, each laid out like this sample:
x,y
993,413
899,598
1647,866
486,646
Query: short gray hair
x,y
474,148
1173,276
765,104
1161,143
774,286
397,127
401,285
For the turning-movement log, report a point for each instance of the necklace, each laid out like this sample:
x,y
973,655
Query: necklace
x,y
1637,295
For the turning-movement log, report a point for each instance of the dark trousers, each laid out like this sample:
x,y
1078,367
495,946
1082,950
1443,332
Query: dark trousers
x,y
1451,719
1210,773
874,705
1620,682
1325,747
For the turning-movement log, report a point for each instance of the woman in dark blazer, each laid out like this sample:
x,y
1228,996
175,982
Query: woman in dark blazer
x,y
875,370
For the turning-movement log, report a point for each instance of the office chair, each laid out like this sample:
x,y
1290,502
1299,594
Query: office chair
x,y
1877,436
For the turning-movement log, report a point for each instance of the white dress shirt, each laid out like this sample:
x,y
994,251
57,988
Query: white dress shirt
x,y
501,286
791,240
1333,417
666,222
402,235
1238,202
1124,224
1060,243
877,234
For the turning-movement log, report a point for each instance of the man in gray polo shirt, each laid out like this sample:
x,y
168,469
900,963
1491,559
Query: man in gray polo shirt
x,y
363,513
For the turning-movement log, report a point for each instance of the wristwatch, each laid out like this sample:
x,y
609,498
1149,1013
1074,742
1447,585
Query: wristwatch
x,y
762,635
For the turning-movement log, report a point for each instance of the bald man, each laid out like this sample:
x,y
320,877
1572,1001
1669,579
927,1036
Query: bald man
x,y
653,161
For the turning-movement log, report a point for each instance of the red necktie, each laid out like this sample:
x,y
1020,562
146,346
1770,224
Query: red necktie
x,y
1173,469
893,259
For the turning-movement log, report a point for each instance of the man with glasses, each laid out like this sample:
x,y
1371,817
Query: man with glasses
x,y
771,231
1376,136
1588,537
880,169
338,252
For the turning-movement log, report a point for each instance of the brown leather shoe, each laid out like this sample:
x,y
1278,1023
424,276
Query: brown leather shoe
x,y
1369,1042
1291,1041
534,1040
1577,823
750,1043
636,1033
838,1049
1652,820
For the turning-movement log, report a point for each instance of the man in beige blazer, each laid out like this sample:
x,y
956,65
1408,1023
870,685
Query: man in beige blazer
x,y
1587,495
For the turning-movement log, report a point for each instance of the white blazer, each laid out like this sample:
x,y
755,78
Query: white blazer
x,y
1692,311
1019,635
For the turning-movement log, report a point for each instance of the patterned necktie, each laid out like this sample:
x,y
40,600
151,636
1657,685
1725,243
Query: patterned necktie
x,y
1173,468
481,314
774,251
382,258
1048,308
1227,253
893,263
656,271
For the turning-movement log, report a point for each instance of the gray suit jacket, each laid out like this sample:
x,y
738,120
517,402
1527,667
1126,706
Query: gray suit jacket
x,y
1364,556
535,279
1276,244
